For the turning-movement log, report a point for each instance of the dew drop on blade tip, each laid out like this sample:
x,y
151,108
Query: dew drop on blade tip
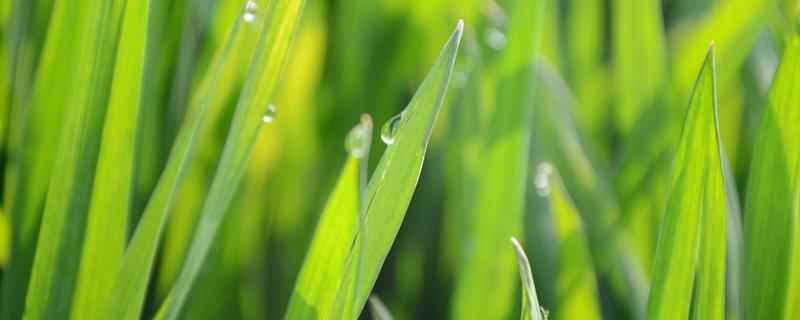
x,y
389,129
542,179
269,115
359,138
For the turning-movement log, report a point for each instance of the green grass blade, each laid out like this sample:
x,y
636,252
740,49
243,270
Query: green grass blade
x,y
640,57
530,300
107,226
379,310
484,288
36,125
576,288
131,282
691,243
772,236
389,191
271,53
321,279
58,251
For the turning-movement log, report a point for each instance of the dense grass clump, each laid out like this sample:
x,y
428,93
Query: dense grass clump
x,y
480,159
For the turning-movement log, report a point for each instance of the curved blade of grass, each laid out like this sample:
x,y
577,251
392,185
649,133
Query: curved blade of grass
x,y
772,236
55,266
691,243
131,282
271,53
322,277
485,286
530,300
576,296
107,226
379,310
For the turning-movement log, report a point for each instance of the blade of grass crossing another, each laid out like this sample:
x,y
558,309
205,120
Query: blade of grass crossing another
x,y
107,225
379,310
280,25
772,220
130,285
392,184
321,278
691,243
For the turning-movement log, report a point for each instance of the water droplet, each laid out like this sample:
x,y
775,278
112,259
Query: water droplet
x,y
269,116
250,11
360,137
542,179
389,129
495,38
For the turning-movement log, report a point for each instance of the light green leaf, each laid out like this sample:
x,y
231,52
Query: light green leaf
x,y
325,276
640,58
105,238
691,243
772,211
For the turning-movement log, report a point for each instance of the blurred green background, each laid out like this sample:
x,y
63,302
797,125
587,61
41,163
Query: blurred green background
x,y
614,82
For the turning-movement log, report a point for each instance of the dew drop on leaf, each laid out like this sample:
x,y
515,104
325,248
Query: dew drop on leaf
x,y
542,179
250,11
269,115
358,140
389,129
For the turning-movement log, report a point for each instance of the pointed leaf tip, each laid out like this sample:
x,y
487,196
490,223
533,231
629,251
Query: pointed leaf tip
x,y
460,26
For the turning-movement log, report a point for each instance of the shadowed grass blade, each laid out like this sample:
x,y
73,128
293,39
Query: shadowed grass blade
x,y
772,211
689,268
379,310
485,284
107,225
58,251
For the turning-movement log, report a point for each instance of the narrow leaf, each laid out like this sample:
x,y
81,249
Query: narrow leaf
x,y
530,301
107,225
772,212
691,243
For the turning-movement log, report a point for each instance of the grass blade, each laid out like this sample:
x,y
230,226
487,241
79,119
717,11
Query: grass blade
x,y
321,279
772,236
640,58
389,191
107,225
379,310
691,241
271,52
530,300
131,282
485,285
58,251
